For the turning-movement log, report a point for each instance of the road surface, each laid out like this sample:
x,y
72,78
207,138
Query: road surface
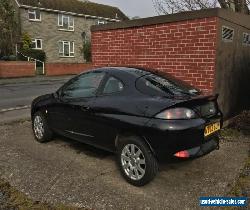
x,y
15,98
18,95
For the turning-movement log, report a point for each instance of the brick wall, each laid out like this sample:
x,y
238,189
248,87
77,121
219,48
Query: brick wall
x,y
16,69
53,69
185,49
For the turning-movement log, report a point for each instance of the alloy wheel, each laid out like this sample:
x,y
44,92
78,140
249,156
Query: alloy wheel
x,y
38,127
133,162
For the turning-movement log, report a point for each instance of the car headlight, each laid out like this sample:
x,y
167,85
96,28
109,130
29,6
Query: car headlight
x,y
176,114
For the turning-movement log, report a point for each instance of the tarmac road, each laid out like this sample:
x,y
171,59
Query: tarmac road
x,y
20,92
16,95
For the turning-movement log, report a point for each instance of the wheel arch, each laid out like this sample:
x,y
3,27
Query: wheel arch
x,y
37,109
123,134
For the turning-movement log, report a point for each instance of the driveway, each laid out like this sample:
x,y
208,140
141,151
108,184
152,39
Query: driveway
x,y
64,171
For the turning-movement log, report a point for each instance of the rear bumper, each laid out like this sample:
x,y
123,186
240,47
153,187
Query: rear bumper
x,y
204,149
166,138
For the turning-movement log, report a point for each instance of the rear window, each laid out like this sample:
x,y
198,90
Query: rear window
x,y
166,85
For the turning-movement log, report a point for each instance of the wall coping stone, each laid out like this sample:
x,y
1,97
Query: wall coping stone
x,y
239,19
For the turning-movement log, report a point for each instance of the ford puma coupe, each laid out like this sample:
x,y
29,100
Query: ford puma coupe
x,y
143,116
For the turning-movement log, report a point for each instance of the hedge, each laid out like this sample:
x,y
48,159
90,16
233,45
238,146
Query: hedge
x,y
33,53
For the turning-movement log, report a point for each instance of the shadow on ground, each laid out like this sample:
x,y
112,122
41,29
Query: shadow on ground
x,y
79,147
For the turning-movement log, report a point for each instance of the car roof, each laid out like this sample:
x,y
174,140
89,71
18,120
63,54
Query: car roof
x,y
133,71
131,74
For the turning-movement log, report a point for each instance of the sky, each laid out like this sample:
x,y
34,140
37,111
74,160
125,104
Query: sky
x,y
131,8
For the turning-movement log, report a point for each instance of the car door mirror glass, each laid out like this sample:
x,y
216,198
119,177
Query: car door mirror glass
x,y
66,94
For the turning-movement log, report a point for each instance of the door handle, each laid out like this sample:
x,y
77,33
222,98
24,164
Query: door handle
x,y
85,108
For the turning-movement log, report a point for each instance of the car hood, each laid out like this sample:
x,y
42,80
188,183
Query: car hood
x,y
42,98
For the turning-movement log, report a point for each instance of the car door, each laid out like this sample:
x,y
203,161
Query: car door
x,y
106,109
76,102
57,110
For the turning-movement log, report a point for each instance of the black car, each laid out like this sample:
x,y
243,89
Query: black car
x,y
141,115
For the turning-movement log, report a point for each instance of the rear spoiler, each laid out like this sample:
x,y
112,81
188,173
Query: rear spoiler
x,y
197,99
208,97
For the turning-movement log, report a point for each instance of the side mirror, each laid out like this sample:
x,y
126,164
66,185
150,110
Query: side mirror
x,y
60,95
57,94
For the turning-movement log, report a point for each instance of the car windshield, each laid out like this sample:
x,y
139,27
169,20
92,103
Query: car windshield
x,y
164,85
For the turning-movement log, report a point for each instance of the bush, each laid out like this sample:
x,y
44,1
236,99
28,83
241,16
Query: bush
x,y
87,51
12,57
8,58
5,58
26,41
33,53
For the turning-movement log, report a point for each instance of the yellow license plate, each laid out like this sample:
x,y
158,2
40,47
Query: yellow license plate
x,y
209,129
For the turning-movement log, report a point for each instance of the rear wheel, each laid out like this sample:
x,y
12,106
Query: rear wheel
x,y
136,161
41,130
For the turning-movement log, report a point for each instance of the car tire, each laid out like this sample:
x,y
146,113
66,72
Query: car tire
x,y
136,161
40,127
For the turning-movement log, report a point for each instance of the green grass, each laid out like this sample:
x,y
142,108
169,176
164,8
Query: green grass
x,y
243,182
230,132
242,185
16,199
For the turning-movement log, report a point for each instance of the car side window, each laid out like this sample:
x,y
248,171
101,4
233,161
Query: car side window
x,y
83,86
113,85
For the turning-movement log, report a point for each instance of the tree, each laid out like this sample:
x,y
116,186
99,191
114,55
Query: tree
x,y
26,41
26,50
87,51
8,28
241,6
173,6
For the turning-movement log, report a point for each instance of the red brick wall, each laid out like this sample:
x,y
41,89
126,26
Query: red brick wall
x,y
186,49
16,69
53,69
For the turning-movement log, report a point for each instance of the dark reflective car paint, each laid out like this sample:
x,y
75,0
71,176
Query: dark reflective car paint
x,y
98,120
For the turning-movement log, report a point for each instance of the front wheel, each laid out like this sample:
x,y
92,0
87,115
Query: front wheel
x,y
41,130
136,161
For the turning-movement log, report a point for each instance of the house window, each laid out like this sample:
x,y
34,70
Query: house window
x,y
65,22
227,34
101,22
66,49
34,15
37,44
246,39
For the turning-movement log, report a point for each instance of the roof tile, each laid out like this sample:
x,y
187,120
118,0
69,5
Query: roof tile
x,y
79,7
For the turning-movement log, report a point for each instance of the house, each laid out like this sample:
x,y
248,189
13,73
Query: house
x,y
61,27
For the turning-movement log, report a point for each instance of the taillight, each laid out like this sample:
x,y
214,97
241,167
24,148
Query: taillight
x,y
182,154
176,114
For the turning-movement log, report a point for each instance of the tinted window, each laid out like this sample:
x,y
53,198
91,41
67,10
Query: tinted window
x,y
85,85
155,85
113,85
